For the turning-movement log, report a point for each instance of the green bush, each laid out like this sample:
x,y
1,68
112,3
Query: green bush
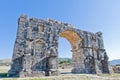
x,y
64,62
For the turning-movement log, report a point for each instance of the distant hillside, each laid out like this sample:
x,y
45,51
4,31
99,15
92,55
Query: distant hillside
x,y
7,61
114,62
65,59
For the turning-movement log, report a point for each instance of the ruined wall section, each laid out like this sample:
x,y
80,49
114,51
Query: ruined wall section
x,y
36,49
19,47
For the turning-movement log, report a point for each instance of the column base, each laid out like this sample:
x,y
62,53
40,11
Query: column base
x,y
13,73
54,72
32,74
78,70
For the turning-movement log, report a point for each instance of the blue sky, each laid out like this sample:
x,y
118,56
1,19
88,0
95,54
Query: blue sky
x,y
89,15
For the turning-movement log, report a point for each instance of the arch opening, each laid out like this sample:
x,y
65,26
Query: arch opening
x,y
75,42
64,56
73,38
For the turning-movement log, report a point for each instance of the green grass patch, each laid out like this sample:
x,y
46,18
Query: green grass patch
x,y
3,74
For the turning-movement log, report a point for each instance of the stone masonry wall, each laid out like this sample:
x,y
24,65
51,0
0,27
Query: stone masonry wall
x,y
36,49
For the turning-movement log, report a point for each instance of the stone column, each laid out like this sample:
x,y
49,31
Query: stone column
x,y
52,59
98,71
18,52
78,61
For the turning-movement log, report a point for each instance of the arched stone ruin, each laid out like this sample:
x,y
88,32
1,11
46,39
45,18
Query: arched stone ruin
x,y
36,49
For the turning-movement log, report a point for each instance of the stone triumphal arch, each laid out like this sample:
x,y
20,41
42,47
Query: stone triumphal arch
x,y
36,49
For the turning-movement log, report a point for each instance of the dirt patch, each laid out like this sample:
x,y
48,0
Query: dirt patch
x,y
4,69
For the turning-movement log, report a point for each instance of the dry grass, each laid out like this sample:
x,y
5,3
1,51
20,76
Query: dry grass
x,y
115,75
68,77
4,69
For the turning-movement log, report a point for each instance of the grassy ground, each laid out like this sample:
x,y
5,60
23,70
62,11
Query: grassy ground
x,y
4,69
115,75
70,77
